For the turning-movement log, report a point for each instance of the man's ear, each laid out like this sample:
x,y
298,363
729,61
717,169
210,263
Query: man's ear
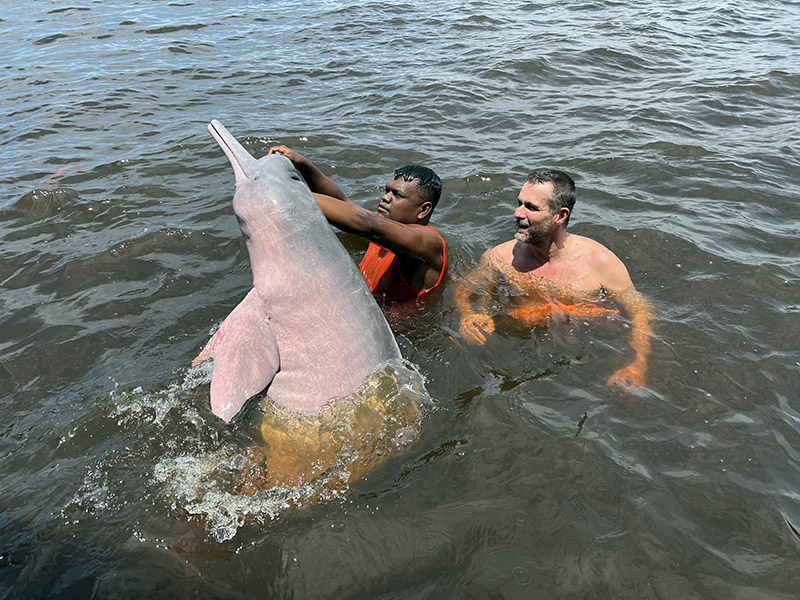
x,y
562,215
424,211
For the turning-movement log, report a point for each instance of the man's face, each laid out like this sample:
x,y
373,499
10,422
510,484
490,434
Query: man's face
x,y
401,201
535,222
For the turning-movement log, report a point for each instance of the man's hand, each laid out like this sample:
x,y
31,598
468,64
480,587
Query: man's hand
x,y
317,181
474,327
632,376
297,159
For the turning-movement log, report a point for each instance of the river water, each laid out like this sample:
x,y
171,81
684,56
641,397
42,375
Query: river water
x,y
530,478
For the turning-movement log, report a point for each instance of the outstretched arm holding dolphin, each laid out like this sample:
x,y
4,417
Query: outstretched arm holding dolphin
x,y
399,224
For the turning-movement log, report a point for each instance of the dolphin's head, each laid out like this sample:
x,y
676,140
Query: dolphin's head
x,y
272,202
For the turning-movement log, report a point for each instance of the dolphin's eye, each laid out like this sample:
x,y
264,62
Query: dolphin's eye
x,y
296,177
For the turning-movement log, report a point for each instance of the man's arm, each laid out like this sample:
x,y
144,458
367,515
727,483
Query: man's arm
x,y
617,282
475,289
317,181
401,238
640,312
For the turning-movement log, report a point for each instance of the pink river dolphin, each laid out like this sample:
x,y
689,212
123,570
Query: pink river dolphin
x,y
309,330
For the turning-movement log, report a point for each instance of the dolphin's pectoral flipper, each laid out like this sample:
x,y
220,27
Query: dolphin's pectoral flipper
x,y
246,357
208,350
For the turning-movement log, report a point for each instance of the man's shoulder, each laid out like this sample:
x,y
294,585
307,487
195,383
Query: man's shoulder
x,y
435,238
434,231
499,250
595,249
426,231
499,257
504,248
601,262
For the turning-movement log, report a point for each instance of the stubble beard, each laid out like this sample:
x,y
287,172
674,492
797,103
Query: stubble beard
x,y
536,235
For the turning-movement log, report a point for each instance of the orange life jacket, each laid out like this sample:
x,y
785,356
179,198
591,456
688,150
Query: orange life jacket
x,y
386,282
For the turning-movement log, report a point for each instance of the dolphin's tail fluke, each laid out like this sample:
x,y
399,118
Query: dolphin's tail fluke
x,y
241,160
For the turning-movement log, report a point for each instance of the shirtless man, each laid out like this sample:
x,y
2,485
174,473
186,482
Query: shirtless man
x,y
406,258
555,270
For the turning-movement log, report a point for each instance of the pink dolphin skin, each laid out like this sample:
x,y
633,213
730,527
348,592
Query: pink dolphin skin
x,y
309,330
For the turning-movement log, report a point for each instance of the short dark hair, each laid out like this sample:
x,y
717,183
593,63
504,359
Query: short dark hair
x,y
563,195
428,181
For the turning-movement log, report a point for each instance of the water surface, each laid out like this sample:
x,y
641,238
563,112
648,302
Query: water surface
x,y
120,253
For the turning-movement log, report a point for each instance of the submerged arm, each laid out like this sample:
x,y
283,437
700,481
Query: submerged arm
x,y
612,275
640,313
475,321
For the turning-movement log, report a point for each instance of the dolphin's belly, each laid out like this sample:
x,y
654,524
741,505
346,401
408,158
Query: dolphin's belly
x,y
331,336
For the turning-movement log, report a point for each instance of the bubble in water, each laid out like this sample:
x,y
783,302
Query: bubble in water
x,y
520,575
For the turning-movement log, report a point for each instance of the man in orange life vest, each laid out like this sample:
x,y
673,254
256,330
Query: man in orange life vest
x,y
406,258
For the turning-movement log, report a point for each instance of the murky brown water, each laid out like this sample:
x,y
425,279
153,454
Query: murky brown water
x,y
530,477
